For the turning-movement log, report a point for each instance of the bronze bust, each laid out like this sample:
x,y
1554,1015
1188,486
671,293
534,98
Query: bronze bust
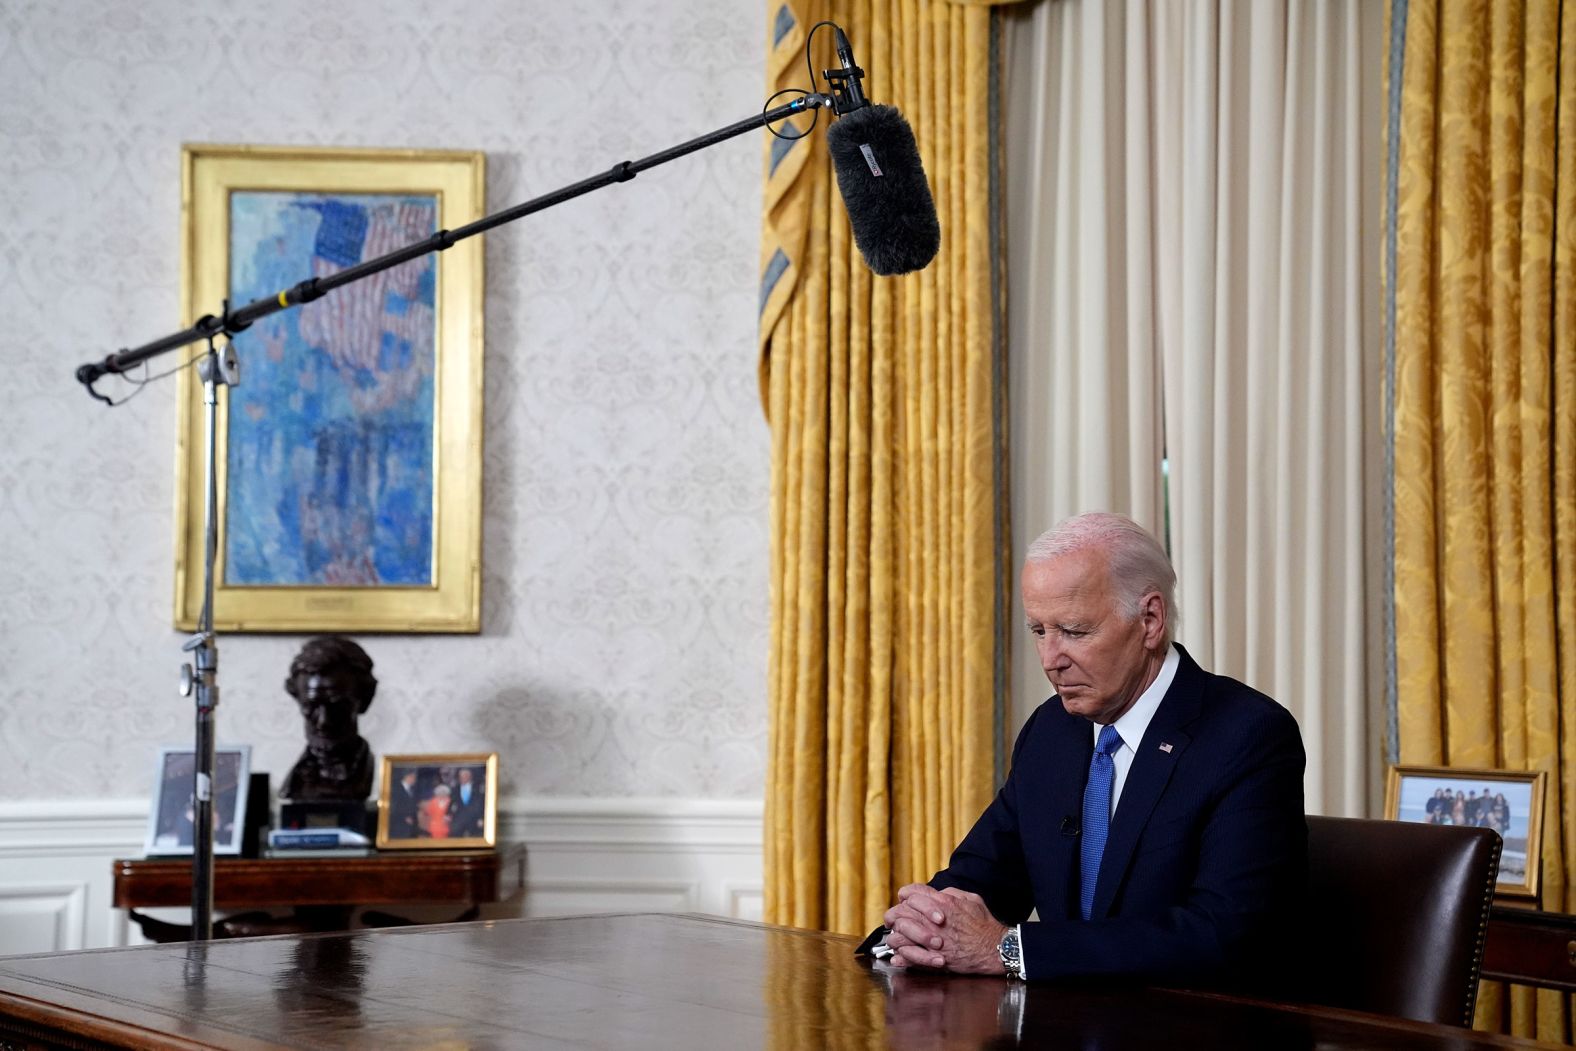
x,y
331,679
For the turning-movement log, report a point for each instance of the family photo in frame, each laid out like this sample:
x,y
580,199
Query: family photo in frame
x,y
1509,802
436,801
170,819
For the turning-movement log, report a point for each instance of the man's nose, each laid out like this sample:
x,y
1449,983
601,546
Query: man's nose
x,y
1052,656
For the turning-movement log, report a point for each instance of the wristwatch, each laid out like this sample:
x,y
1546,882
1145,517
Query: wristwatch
x,y
1011,949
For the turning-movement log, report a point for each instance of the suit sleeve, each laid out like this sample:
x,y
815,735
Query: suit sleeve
x,y
1251,861
990,861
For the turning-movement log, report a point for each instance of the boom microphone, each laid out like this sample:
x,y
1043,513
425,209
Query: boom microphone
x,y
882,181
851,95
880,176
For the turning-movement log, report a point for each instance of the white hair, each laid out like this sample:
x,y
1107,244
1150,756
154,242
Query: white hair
x,y
1135,560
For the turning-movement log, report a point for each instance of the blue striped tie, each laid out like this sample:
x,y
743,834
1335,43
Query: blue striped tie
x,y
1096,816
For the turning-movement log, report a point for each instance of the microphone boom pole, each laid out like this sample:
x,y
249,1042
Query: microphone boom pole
x,y
232,322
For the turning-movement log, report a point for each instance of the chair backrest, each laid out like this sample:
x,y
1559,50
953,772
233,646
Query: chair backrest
x,y
1397,914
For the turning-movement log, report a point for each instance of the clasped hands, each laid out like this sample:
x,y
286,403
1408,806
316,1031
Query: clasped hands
x,y
947,929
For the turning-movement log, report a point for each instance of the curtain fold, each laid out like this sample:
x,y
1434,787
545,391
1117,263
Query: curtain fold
x,y
1262,341
1481,382
1190,289
885,404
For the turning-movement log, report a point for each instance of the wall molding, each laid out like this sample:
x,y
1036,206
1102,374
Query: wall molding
x,y
730,826
582,855
549,897
54,911
72,828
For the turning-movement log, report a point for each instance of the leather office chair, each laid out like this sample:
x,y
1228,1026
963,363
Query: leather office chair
x,y
1396,916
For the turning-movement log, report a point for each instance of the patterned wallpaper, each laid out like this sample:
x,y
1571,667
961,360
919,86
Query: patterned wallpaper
x,y
623,649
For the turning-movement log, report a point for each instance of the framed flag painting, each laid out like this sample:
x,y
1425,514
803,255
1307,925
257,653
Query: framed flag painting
x,y
349,452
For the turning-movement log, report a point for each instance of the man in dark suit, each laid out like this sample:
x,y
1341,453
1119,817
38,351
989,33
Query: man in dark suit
x,y
403,805
1154,813
468,808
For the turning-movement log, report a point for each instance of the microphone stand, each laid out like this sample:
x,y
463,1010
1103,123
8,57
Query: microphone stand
x,y
214,369
221,367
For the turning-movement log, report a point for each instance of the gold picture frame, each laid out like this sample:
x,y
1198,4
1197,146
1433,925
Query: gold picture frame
x,y
423,802
397,412
1450,795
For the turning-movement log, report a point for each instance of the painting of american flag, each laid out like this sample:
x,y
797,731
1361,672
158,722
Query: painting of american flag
x,y
330,432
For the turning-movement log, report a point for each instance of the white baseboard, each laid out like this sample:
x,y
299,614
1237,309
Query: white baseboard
x,y
582,855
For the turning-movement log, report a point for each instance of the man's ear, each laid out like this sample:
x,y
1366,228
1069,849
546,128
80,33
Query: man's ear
x,y
1152,613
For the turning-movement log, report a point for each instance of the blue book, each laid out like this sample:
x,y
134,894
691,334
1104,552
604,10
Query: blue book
x,y
315,838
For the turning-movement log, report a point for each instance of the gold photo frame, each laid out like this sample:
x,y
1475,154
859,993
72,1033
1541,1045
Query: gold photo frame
x,y
1441,795
349,456
438,801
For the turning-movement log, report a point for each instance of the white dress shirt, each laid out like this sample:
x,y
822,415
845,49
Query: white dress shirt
x,y
1135,721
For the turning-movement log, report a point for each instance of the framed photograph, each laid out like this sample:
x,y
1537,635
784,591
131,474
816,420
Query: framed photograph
x,y
170,821
1508,801
349,453
427,802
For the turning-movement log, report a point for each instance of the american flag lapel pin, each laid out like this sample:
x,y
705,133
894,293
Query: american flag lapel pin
x,y
1165,746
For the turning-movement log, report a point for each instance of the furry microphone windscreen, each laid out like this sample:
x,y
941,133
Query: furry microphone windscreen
x,y
882,181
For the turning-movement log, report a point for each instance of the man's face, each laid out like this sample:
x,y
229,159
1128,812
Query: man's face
x,y
329,706
1098,659
465,776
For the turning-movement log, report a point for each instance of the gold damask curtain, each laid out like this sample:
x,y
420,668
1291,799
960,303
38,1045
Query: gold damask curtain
x,y
888,521
1481,370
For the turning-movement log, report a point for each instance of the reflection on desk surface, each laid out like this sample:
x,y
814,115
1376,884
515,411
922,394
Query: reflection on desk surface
x,y
620,981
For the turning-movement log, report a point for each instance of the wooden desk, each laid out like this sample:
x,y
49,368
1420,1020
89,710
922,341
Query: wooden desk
x,y
323,892
618,981
1531,947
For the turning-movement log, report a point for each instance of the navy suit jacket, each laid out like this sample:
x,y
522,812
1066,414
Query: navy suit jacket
x,y
468,819
1206,854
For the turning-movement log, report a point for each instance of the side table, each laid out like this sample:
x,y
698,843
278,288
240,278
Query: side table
x,y
323,893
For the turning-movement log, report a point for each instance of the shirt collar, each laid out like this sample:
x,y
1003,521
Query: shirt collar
x,y
1135,720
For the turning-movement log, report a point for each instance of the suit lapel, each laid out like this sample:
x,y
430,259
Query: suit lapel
x,y
1147,778
1070,769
